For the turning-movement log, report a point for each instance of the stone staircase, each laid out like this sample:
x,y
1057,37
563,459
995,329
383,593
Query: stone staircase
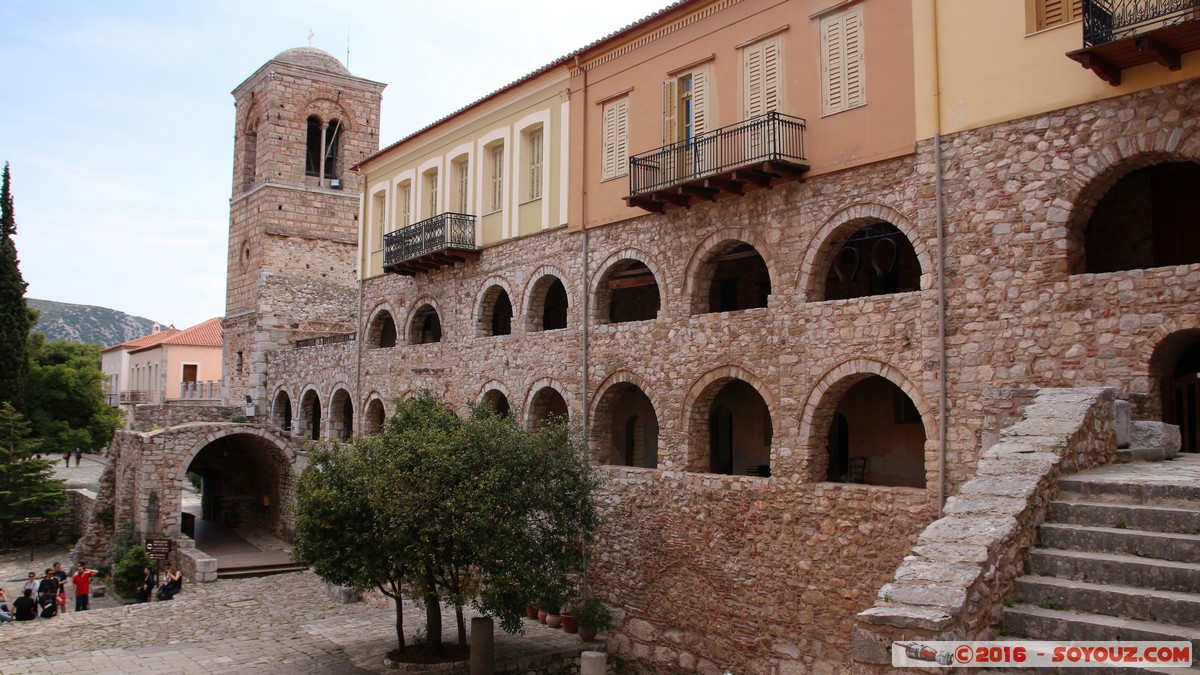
x,y
1118,557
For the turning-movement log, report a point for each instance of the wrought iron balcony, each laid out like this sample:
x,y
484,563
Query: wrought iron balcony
x,y
1120,34
760,152
445,239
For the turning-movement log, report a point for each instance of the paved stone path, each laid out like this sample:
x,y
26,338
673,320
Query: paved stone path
x,y
279,624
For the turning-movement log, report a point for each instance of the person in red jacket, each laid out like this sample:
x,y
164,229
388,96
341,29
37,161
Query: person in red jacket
x,y
83,586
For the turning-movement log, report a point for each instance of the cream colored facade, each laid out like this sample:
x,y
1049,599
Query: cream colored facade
x,y
980,63
502,160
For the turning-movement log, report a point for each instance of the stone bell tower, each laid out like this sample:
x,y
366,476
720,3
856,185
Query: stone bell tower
x,y
302,121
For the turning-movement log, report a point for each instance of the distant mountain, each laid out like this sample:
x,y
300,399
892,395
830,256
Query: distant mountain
x,y
88,323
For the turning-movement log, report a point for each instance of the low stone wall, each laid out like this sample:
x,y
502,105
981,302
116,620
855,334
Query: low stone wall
x,y
82,504
953,585
194,564
172,413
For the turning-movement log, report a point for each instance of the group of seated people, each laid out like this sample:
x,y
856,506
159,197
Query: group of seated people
x,y
48,596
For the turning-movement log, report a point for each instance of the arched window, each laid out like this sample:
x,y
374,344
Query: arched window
x,y
426,326
740,431
876,437
732,277
1147,219
321,148
373,420
547,304
382,332
310,415
341,415
495,313
628,291
547,406
625,429
497,401
282,411
876,259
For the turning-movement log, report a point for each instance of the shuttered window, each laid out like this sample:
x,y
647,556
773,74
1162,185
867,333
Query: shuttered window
x,y
616,141
685,106
761,77
497,196
843,71
404,204
460,203
535,165
1050,13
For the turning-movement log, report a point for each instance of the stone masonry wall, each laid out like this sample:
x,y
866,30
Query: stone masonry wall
x,y
953,585
785,562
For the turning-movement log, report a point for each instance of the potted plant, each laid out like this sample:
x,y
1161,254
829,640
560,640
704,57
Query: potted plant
x,y
594,616
570,622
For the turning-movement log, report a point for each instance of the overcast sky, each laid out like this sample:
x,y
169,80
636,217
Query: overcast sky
x,y
117,119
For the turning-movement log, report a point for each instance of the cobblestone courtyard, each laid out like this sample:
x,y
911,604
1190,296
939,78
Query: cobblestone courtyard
x,y
278,624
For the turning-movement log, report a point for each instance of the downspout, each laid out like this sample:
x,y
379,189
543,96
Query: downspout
x,y
359,333
943,396
583,224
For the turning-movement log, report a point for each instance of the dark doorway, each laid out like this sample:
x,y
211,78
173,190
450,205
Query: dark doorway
x,y
554,311
1181,400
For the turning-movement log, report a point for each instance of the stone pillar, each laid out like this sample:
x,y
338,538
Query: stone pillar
x,y
592,663
483,656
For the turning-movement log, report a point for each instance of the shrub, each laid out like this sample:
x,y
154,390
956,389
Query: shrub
x,y
128,572
125,539
594,614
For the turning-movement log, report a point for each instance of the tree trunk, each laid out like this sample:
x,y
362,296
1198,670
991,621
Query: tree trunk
x,y
462,626
395,595
433,616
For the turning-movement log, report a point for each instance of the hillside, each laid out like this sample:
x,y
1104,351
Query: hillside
x,y
88,323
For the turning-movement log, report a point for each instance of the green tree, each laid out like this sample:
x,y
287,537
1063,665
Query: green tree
x,y
64,397
15,317
479,512
27,485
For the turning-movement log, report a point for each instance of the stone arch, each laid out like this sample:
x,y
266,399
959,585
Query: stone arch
x,y
618,262
421,330
1174,379
282,414
825,397
703,265
536,292
374,414
324,104
309,418
341,413
697,408
617,402
546,397
249,477
820,254
495,295
381,330
1103,171
495,393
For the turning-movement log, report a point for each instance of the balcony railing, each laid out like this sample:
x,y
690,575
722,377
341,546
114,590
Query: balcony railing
x,y
759,152
196,390
136,397
445,239
1121,34
325,340
1108,20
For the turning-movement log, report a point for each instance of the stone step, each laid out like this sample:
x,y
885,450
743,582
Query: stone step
x,y
1157,545
1144,454
1037,623
1115,568
258,570
1130,516
1081,487
1130,602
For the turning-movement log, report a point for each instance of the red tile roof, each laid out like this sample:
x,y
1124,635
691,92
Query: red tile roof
x,y
207,334
146,340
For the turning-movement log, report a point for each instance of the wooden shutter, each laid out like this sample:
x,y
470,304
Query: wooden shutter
x,y
1051,13
700,100
616,129
761,78
842,64
670,111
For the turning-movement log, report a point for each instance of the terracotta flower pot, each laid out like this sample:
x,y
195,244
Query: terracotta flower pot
x,y
570,624
531,611
587,634
541,616
553,620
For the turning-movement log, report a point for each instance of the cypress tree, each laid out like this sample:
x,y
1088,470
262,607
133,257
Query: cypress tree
x,y
14,316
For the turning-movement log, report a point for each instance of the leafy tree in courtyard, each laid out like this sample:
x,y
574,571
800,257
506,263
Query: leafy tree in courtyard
x,y
480,512
15,317
27,485
64,396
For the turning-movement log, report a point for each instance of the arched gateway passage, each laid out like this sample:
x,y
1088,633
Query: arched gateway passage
x,y
245,475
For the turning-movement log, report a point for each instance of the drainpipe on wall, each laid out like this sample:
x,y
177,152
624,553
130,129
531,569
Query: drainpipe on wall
x,y
585,305
358,341
943,397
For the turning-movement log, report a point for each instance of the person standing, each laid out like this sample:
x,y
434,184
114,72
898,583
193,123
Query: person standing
x,y
61,598
78,455
67,459
83,586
